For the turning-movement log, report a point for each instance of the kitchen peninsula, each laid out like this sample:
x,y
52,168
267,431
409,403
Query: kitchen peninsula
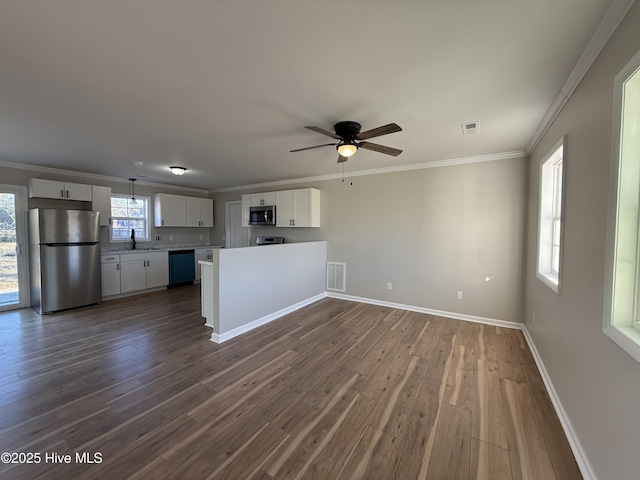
x,y
243,288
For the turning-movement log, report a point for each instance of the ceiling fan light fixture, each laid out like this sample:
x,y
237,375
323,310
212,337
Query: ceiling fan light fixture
x,y
347,149
178,170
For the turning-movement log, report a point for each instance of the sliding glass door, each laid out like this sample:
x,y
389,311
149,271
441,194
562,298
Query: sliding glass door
x,y
13,247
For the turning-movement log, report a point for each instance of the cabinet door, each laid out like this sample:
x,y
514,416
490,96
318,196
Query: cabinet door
x,y
306,207
158,270
301,208
194,217
284,209
133,275
262,199
101,202
77,191
169,210
110,279
40,188
206,212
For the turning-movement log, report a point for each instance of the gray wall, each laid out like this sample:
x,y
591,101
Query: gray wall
x,y
18,176
597,382
429,232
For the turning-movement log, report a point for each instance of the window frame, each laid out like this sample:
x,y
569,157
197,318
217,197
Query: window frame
x,y
114,218
550,216
620,299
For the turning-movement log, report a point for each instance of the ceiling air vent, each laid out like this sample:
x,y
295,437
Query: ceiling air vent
x,y
336,276
470,128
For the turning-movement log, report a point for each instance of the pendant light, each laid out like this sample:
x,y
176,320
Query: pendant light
x,y
133,190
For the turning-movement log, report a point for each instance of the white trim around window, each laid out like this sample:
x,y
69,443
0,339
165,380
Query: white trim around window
x,y
127,214
622,268
550,214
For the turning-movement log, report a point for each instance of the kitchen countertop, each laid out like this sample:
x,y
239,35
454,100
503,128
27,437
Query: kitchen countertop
x,y
155,248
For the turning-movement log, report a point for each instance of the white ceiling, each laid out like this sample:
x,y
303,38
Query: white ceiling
x,y
225,87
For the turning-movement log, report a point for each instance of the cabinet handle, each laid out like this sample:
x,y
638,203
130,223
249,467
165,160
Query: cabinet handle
x,y
109,220
117,266
62,193
162,221
67,193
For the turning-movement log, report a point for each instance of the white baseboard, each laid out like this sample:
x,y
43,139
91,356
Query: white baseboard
x,y
440,313
574,442
219,338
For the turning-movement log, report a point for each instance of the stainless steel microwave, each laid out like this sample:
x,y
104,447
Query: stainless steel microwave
x,y
263,215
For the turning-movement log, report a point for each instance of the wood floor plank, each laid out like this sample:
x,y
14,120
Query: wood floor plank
x,y
530,459
336,389
489,462
452,449
461,381
557,444
488,415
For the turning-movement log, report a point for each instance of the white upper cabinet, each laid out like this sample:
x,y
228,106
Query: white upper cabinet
x,y
41,188
298,208
180,211
169,210
262,199
199,212
101,202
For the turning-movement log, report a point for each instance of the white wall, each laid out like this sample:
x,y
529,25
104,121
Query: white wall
x,y
598,384
429,232
252,283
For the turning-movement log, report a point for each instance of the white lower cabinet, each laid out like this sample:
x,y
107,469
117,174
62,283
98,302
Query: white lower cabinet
x,y
139,271
110,275
204,254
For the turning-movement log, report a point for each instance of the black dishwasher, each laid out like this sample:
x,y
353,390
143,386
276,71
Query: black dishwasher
x,y
182,269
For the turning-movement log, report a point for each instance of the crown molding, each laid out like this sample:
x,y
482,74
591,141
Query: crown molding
x,y
96,176
607,27
377,171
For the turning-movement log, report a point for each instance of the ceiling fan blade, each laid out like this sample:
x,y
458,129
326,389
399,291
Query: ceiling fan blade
x,y
324,132
342,159
310,148
380,148
376,132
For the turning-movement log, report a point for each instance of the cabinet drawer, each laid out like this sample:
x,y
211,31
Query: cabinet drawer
x,y
110,258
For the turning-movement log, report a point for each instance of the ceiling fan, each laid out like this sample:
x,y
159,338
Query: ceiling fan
x,y
350,139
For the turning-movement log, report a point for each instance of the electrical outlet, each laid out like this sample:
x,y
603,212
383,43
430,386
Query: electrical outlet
x,y
460,295
171,238
158,238
389,286
201,237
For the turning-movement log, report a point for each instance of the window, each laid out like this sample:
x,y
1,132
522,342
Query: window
x,y
550,217
128,214
622,289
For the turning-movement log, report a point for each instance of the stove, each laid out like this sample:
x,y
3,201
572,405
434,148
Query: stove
x,y
262,240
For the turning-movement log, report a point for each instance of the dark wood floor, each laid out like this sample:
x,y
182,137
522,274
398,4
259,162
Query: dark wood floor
x,y
336,390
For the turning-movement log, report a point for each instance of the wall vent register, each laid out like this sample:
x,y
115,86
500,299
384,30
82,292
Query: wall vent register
x,y
336,276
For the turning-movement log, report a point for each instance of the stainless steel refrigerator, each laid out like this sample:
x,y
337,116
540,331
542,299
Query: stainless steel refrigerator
x,y
64,259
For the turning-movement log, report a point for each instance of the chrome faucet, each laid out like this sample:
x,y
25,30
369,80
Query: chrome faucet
x,y
133,237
